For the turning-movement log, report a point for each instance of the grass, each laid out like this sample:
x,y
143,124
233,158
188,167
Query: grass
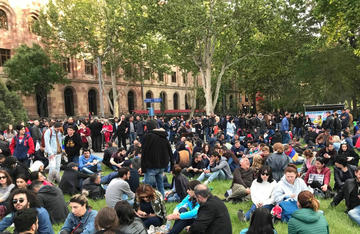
x,y
338,221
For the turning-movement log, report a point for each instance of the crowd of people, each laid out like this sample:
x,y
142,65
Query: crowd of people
x,y
281,163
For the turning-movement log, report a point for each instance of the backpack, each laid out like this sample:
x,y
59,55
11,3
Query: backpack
x,y
42,144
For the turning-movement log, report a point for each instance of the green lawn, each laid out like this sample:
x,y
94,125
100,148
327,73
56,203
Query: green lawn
x,y
339,222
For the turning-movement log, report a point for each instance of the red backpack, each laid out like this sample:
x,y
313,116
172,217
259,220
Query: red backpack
x,y
42,144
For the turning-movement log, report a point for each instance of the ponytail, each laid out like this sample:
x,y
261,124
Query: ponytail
x,y
307,200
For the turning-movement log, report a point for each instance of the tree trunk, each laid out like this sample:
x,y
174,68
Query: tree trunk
x,y
101,99
114,93
355,109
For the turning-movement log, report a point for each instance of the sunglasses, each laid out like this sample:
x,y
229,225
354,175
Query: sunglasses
x,y
267,174
15,201
148,197
2,177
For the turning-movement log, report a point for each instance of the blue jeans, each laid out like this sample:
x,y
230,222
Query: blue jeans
x,y
125,197
354,214
180,224
173,197
92,169
106,179
253,208
285,137
155,177
156,221
132,136
212,176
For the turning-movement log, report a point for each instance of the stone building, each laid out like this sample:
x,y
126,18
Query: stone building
x,y
81,96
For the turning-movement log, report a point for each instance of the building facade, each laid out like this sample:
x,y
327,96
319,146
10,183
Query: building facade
x,y
81,96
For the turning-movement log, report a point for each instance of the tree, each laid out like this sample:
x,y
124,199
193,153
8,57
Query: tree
x,y
211,35
106,32
9,114
31,71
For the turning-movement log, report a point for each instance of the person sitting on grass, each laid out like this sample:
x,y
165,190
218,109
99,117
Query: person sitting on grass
x,y
243,177
351,193
218,169
307,219
23,199
89,163
106,221
342,172
196,167
179,186
318,178
26,221
185,212
308,162
71,179
261,191
278,161
81,219
260,222
128,222
150,206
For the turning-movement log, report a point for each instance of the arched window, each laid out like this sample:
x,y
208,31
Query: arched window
x,y
42,105
92,100
131,101
176,101
31,21
163,103
231,100
148,95
187,107
111,101
69,102
3,20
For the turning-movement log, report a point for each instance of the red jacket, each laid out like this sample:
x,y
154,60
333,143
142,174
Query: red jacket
x,y
325,171
30,142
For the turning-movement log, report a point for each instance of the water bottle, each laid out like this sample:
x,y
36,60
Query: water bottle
x,y
168,225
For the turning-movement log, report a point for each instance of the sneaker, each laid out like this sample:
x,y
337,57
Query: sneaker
x,y
241,216
206,182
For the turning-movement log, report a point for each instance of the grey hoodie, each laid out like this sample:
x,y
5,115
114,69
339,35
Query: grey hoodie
x,y
284,189
223,165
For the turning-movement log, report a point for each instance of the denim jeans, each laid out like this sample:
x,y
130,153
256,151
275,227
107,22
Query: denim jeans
x,y
212,176
125,197
155,177
355,214
132,136
180,224
173,197
285,137
92,169
253,208
106,179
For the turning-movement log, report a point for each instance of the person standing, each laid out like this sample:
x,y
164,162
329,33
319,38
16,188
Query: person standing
x,y
53,148
72,144
157,154
36,134
284,129
122,131
132,130
213,216
139,128
95,128
22,146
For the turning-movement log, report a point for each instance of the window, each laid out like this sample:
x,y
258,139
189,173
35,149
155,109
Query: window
x,y
163,101
187,106
66,65
173,77
184,77
148,95
92,101
131,101
3,20
89,68
176,101
31,20
161,76
4,55
147,73
69,102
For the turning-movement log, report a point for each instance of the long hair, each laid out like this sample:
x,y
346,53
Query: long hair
x,y
125,213
262,170
8,177
307,200
106,220
145,190
261,222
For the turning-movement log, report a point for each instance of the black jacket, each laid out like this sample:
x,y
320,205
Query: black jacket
x,y
212,218
95,128
70,181
73,145
346,192
107,156
52,199
156,150
133,180
4,146
340,177
95,190
181,185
